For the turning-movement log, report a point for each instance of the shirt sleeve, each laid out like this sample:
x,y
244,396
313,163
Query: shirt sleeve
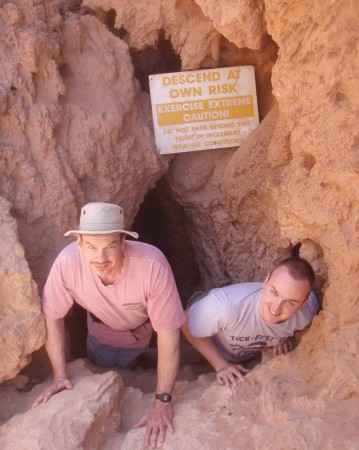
x,y
205,317
164,304
56,298
312,306
306,314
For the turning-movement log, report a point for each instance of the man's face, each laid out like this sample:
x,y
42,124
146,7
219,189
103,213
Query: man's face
x,y
103,254
282,296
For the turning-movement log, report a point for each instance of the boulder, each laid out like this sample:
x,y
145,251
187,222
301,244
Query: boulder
x,y
80,418
22,326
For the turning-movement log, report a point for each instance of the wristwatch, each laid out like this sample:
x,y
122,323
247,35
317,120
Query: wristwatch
x,y
165,398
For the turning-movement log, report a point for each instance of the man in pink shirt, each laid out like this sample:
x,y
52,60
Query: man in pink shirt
x,y
128,289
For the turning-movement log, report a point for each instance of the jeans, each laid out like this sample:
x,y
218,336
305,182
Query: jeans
x,y
107,356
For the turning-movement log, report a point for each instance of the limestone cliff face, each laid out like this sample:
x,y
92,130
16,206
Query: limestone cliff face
x,y
241,22
22,328
75,127
319,191
72,126
92,407
294,180
191,33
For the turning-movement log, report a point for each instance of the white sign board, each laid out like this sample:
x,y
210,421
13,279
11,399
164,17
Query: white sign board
x,y
203,109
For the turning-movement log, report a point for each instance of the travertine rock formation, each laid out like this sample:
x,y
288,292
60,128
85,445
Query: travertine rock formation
x,y
80,418
100,414
218,189
74,127
191,33
22,327
241,22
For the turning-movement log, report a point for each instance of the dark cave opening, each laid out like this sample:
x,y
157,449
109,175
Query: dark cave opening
x,y
161,221
152,61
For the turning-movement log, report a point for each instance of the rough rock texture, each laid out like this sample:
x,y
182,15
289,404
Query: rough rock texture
x,y
241,22
295,180
74,127
79,418
22,328
191,33
209,416
318,198
217,189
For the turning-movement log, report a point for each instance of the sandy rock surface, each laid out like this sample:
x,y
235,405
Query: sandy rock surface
x,y
79,418
241,22
105,404
190,32
73,127
22,327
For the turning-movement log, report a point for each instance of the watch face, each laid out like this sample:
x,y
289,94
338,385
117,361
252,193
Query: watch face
x,y
165,398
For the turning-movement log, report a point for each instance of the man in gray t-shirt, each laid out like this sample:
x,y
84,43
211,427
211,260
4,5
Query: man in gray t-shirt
x,y
234,323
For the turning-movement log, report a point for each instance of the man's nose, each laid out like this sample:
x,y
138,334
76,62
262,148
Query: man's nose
x,y
278,304
101,255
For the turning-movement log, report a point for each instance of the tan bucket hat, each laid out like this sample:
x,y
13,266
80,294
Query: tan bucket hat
x,y
101,218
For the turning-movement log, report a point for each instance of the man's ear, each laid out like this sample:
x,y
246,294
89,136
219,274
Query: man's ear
x,y
78,239
305,301
267,278
122,242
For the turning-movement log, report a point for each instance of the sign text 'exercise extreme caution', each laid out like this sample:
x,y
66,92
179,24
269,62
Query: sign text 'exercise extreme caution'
x,y
203,109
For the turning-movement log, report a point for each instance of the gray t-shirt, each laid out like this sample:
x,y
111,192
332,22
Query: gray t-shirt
x,y
230,315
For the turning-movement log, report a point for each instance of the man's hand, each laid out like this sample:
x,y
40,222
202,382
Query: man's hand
x,y
229,374
157,419
58,385
283,348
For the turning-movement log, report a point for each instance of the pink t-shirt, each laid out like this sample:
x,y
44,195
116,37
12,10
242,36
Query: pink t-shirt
x,y
145,290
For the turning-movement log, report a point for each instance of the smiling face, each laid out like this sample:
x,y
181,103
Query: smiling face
x,y
104,255
282,296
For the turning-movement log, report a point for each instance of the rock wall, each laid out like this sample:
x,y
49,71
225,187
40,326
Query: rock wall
x,y
295,180
192,35
319,192
78,419
22,328
73,124
75,127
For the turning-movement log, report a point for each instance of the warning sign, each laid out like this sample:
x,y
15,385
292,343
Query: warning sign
x,y
203,109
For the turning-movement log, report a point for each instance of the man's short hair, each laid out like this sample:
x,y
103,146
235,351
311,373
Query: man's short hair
x,y
299,269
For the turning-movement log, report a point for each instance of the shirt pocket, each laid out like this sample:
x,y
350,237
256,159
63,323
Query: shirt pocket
x,y
131,306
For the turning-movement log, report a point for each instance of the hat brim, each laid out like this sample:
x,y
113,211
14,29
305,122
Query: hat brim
x,y
101,233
